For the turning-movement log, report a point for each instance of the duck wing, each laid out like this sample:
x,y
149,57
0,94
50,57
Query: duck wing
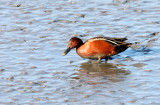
x,y
113,41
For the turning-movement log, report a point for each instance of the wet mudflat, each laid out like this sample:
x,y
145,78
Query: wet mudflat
x,y
34,34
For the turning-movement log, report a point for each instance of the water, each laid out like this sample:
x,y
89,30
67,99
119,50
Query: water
x,y
34,34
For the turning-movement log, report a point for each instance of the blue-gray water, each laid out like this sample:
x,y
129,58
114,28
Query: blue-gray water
x,y
34,34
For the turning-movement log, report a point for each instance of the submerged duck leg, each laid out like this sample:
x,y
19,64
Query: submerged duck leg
x,y
106,59
99,60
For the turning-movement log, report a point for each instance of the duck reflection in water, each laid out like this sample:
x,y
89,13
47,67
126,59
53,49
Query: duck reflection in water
x,y
95,73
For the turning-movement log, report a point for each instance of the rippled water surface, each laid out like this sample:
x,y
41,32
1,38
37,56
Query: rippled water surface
x,y
34,34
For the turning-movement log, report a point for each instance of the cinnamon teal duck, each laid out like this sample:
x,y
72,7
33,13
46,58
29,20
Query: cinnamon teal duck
x,y
98,47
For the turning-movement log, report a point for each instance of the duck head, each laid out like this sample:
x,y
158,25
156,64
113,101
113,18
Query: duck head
x,y
74,42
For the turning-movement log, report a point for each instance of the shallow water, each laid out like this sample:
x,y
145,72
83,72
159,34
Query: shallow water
x,y
34,34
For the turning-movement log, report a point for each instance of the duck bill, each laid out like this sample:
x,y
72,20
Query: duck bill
x,y
66,51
